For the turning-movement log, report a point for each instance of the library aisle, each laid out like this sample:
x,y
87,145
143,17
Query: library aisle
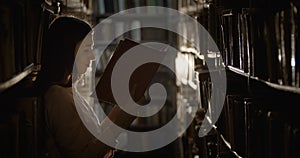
x,y
233,91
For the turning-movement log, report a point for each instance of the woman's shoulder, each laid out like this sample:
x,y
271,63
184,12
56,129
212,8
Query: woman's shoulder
x,y
57,91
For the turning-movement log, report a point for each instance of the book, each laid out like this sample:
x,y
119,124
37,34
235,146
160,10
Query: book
x,y
109,6
245,43
7,52
139,80
101,7
19,36
135,33
121,5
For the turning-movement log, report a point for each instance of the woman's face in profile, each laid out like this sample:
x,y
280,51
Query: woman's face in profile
x,y
84,54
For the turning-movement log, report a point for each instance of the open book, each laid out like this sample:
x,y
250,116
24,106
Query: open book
x,y
140,79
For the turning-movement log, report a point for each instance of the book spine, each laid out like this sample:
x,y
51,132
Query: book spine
x,y
109,6
121,5
151,3
7,59
31,25
271,49
235,40
293,27
119,28
136,33
297,45
287,39
115,6
19,33
101,7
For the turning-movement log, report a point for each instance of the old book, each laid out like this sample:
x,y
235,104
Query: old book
x,y
139,80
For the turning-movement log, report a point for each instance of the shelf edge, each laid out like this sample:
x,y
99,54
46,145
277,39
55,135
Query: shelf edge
x,y
17,78
237,71
275,86
285,88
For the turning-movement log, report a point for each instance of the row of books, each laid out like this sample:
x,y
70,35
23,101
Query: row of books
x,y
207,39
186,3
19,37
265,4
114,6
264,44
211,145
255,127
115,27
249,126
21,126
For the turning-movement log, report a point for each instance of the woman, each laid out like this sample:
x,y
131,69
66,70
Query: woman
x,y
67,135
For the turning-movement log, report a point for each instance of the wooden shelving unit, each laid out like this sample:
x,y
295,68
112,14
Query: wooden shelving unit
x,y
17,78
261,73
275,86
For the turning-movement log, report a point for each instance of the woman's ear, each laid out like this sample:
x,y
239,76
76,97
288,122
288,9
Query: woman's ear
x,y
68,81
69,77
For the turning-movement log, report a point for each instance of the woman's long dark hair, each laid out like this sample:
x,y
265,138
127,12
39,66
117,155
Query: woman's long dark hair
x,y
58,52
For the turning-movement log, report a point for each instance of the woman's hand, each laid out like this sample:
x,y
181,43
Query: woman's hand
x,y
109,154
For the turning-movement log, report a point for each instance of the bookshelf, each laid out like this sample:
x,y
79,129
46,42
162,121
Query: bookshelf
x,y
22,27
20,48
259,44
101,7
17,78
191,6
237,71
270,58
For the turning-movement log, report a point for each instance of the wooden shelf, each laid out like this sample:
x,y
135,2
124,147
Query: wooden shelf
x,y
227,144
275,86
17,78
237,71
